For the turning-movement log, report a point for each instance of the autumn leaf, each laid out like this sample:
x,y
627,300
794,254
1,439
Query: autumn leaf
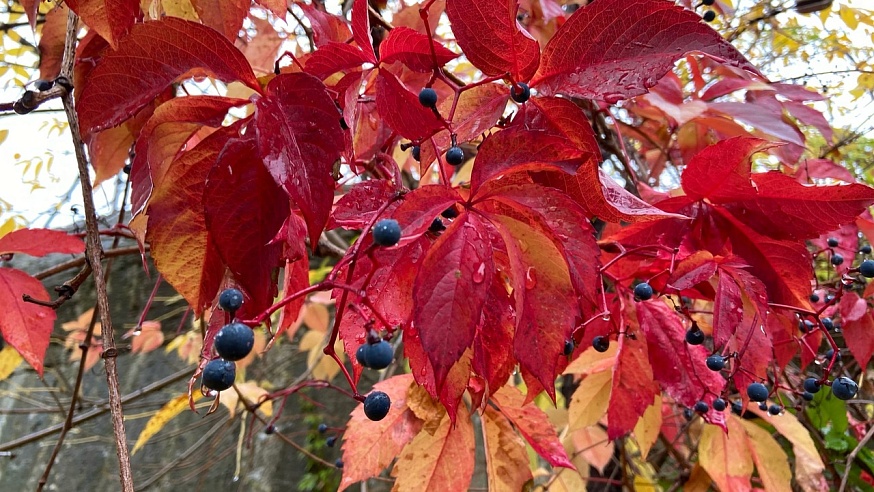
x,y
225,16
858,330
51,42
506,459
400,108
162,417
164,51
590,400
299,139
25,326
726,456
112,19
634,386
492,39
443,458
40,242
10,359
616,49
361,29
370,447
770,459
533,424
412,49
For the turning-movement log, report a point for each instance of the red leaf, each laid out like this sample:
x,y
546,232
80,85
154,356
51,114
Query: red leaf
x,y
450,291
225,16
181,245
51,42
299,137
150,59
721,173
401,109
859,332
562,219
533,424
764,117
678,367
24,325
540,281
516,149
361,29
369,447
615,49
634,388
783,266
244,210
111,19
492,355
40,242
811,169
360,203
277,7
108,150
785,208
296,278
419,208
412,49
164,135
326,27
492,39
456,381
334,57
31,9
692,270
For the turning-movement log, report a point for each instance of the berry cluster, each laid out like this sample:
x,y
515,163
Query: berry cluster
x,y
233,342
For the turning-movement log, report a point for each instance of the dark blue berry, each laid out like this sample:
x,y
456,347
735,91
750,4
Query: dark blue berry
x,y
865,250
702,407
695,336
805,325
338,463
757,392
330,441
377,405
600,343
417,153
763,406
807,395
323,428
428,97
831,353
455,155
387,232
687,413
521,95
814,297
230,300
719,404
737,407
569,347
708,2
866,268
844,388
715,362
775,409
833,242
837,259
126,169
643,291
270,429
380,355
234,341
709,16
811,385
828,324
361,354
219,374
450,213
437,225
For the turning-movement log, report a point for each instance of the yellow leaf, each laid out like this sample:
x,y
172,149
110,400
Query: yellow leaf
x,y
593,361
589,401
808,464
169,411
848,15
9,360
187,346
316,317
771,461
440,461
592,444
726,456
179,8
698,481
423,406
323,367
567,480
648,427
3,135
252,393
506,458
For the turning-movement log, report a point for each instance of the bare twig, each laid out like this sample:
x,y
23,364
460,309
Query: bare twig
x,y
77,262
65,291
852,456
94,254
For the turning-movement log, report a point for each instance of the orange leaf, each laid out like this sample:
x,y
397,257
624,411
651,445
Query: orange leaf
x,y
771,461
147,338
506,458
726,456
443,460
532,424
369,447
